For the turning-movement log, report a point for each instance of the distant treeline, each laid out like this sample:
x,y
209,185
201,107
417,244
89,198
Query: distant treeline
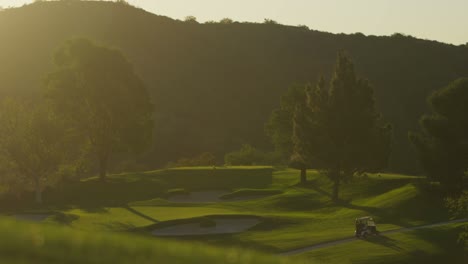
x,y
215,85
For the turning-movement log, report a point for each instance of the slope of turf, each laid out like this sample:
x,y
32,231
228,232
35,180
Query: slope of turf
x,y
292,217
434,245
304,215
30,243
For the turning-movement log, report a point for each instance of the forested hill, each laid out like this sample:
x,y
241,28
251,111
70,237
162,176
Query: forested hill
x,y
214,85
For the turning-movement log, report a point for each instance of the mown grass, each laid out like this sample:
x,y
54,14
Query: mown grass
x,y
32,243
434,245
294,216
305,215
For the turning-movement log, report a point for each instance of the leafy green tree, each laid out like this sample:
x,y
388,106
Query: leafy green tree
x,y
443,144
280,128
459,209
97,91
31,146
338,130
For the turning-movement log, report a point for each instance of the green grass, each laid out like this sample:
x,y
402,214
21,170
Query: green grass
x,y
304,215
121,189
49,244
250,192
436,245
121,219
293,215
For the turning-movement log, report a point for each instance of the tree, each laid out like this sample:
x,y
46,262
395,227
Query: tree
x,y
338,130
191,19
97,91
269,21
443,143
31,145
280,128
459,209
226,21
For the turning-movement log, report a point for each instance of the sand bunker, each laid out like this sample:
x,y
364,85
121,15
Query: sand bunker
x,y
223,226
198,197
31,217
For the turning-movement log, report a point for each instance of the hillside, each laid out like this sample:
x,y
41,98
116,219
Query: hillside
x,y
34,243
214,85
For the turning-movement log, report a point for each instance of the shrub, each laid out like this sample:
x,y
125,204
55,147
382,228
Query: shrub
x,y
203,159
248,156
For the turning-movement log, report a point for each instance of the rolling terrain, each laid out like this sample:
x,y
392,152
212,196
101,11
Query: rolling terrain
x,y
287,216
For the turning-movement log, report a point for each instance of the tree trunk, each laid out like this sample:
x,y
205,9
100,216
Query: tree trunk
x,y
38,191
336,189
303,175
103,167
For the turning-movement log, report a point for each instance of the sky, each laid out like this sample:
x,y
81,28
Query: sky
x,y
442,20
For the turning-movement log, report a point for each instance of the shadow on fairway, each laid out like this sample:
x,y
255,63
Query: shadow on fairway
x,y
116,225
385,215
131,210
385,241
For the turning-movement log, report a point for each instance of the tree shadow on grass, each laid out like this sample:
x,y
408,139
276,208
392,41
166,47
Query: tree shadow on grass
x,y
385,241
94,209
116,225
140,214
227,240
385,215
313,184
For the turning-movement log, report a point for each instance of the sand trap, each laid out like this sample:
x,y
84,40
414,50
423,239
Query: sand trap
x,y
31,217
223,226
198,197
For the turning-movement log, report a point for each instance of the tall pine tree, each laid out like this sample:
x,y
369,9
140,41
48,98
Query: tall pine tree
x,y
340,131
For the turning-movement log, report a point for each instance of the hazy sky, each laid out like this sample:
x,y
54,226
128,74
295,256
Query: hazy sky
x,y
443,20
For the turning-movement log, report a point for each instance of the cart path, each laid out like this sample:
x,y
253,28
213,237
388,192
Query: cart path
x,y
346,240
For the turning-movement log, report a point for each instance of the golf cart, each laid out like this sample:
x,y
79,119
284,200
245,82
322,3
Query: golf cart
x,y
365,226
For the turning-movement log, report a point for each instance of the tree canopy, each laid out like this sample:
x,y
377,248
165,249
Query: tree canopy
x,y
280,128
443,143
338,128
96,90
32,146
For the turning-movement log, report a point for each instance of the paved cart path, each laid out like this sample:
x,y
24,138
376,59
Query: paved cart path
x,y
346,240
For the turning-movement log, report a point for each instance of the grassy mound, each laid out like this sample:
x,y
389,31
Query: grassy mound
x,y
295,216
28,243
125,188
431,246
